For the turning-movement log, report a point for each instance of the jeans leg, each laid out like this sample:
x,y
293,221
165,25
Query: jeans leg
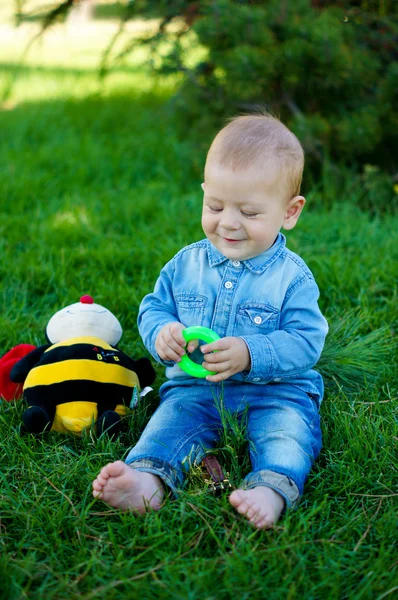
x,y
185,425
284,439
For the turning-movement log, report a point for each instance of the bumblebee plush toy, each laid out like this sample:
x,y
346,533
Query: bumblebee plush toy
x,y
80,378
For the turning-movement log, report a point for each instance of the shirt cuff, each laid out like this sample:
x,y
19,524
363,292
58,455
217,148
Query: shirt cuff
x,y
260,359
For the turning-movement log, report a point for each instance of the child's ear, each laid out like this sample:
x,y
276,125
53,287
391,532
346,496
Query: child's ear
x,y
202,185
293,211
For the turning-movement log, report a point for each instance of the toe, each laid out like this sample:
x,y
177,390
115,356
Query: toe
x,y
263,522
97,486
97,493
243,507
101,480
104,473
236,498
252,514
116,469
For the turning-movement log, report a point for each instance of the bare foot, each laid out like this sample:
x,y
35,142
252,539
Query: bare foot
x,y
261,505
128,489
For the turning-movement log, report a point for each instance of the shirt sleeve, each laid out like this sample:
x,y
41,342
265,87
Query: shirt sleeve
x,y
156,310
297,345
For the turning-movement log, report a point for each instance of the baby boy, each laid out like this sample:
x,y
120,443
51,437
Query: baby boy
x,y
261,298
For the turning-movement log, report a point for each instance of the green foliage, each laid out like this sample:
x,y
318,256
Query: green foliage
x,y
350,359
330,72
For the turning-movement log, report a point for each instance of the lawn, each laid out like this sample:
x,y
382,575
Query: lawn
x,y
100,186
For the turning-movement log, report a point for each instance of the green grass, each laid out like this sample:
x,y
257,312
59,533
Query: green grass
x,y
99,188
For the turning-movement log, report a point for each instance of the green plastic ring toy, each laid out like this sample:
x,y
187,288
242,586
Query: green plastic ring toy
x,y
197,333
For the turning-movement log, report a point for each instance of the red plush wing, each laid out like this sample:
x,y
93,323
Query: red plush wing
x,y
8,389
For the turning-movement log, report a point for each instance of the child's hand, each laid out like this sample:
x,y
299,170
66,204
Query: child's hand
x,y
170,344
232,357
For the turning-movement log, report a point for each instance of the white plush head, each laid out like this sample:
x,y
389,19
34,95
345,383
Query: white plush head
x,y
84,319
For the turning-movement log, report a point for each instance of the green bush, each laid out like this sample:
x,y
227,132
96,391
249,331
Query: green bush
x,y
330,72
328,69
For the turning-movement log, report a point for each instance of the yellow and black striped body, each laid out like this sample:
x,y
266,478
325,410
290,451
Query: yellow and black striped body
x,y
85,373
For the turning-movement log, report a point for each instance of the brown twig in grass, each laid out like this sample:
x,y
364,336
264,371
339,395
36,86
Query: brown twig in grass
x,y
363,536
105,513
64,495
378,402
373,495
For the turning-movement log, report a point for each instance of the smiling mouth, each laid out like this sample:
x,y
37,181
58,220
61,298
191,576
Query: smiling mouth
x,y
230,241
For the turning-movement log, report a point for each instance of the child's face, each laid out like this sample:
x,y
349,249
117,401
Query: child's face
x,y
243,212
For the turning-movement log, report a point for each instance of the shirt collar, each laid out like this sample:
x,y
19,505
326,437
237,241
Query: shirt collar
x,y
257,264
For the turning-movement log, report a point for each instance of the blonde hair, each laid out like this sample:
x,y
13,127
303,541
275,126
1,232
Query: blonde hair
x,y
260,140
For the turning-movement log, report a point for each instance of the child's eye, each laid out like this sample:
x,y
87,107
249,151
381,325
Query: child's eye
x,y
215,210
247,214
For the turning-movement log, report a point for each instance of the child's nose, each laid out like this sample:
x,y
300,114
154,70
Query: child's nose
x,y
229,220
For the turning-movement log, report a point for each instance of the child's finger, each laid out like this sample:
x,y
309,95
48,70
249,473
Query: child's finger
x,y
216,357
171,343
219,367
175,332
193,344
175,347
221,344
219,377
168,353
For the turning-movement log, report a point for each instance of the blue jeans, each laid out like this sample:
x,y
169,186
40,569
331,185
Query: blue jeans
x,y
283,432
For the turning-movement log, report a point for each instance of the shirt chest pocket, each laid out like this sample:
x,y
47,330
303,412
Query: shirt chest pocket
x,y
190,308
256,318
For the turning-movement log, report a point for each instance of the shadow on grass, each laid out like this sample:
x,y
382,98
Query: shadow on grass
x,y
15,69
103,12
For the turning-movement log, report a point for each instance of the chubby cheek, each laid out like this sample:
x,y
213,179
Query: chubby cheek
x,y
257,233
208,224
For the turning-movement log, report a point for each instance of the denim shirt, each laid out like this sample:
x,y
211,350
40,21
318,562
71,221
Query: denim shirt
x,y
270,301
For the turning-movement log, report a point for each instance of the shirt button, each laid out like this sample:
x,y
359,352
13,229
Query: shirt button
x,y
236,263
258,320
228,284
256,378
